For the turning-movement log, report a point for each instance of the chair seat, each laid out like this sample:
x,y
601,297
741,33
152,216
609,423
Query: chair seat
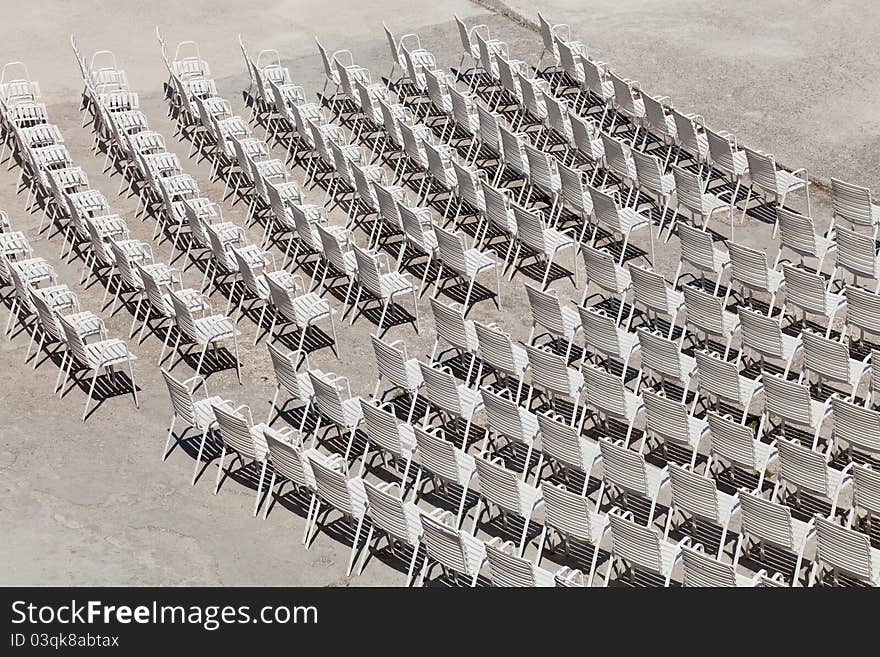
x,y
554,240
352,413
787,182
85,323
214,327
192,298
476,261
394,283
203,410
628,218
530,497
740,163
107,352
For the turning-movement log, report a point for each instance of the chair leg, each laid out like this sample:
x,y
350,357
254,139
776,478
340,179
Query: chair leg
x,y
260,486
220,470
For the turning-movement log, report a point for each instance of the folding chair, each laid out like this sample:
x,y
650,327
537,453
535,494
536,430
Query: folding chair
x,y
465,263
764,336
609,276
735,444
508,420
809,293
394,366
344,413
443,464
698,251
797,233
705,317
829,360
382,287
205,331
454,400
297,385
603,338
748,269
607,397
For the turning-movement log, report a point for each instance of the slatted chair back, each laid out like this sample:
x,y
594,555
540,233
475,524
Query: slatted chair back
x,y
235,430
288,458
789,400
694,494
857,254
732,441
635,544
332,487
767,520
857,426
853,203
624,468
845,549
803,468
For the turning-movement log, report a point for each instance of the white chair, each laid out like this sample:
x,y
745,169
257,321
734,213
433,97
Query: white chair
x,y
651,292
808,292
774,183
454,400
512,422
607,397
805,471
721,381
383,288
102,355
626,472
696,499
507,569
602,337
336,490
620,220
856,428
853,204
245,440
502,488
398,520
735,444
389,435
566,449
791,403
606,274
748,269
668,421
701,570
842,550
573,519
829,360
466,263
542,243
459,553
297,385
555,379
344,413
205,331
198,414
395,367
763,336
706,318
636,547
548,313
444,465
768,523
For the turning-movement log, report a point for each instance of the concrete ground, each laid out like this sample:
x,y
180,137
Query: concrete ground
x,y
92,503
796,79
